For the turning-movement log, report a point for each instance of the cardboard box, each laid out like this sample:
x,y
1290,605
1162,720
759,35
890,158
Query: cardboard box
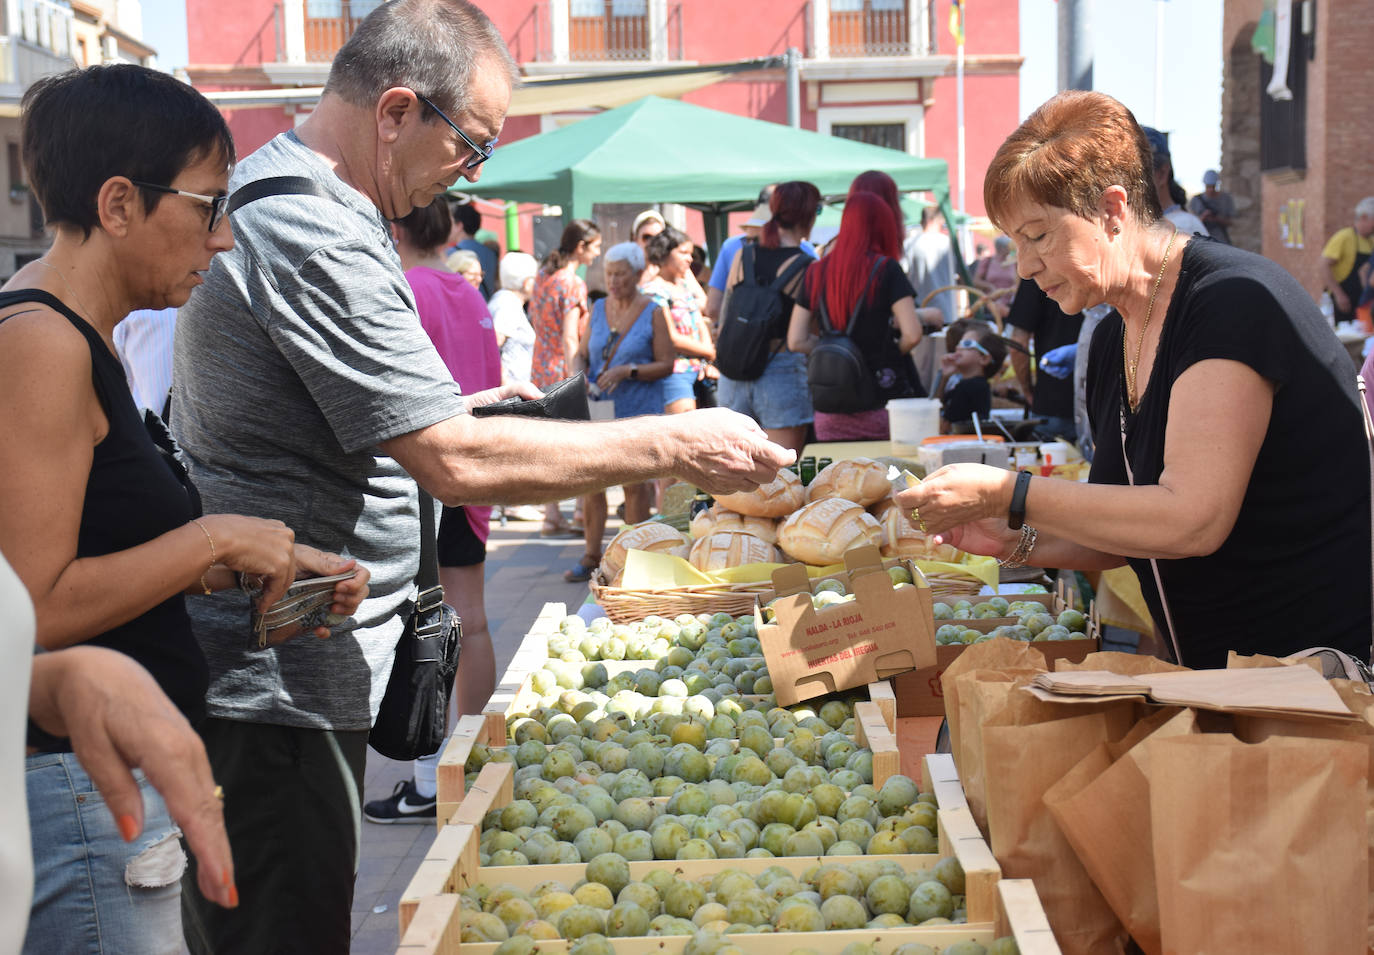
x,y
882,632
919,693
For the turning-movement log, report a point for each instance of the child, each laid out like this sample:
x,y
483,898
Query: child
x,y
976,358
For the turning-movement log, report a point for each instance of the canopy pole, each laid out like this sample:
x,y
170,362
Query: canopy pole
x,y
793,62
512,226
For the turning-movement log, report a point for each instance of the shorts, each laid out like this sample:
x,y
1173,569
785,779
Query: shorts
x,y
678,385
779,398
458,545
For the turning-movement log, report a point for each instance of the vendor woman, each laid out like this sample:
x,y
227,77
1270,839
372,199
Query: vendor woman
x,y
1231,471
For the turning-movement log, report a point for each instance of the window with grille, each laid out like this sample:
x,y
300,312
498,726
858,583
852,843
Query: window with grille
x,y
890,135
608,30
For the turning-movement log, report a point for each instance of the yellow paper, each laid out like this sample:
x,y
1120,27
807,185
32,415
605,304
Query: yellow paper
x,y
646,570
980,568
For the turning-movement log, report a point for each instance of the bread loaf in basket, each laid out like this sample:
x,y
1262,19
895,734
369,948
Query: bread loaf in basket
x,y
778,498
651,536
719,551
822,531
861,480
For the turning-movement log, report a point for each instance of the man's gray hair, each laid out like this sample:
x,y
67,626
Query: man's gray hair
x,y
1365,207
429,46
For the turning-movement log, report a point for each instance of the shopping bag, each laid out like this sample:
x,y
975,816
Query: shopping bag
x,y
1252,844
1028,746
1102,806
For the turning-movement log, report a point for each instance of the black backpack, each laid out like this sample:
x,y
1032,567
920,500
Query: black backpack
x,y
837,372
753,317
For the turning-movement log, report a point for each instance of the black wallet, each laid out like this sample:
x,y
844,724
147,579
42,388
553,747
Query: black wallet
x,y
565,401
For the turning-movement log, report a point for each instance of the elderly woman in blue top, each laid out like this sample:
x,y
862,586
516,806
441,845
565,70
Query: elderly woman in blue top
x,y
626,354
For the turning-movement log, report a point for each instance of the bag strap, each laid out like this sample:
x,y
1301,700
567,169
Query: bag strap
x,y
1369,440
1154,564
794,267
746,264
277,186
823,313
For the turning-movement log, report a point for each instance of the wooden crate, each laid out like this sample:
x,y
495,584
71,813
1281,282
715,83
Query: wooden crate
x,y
453,861
939,775
1020,914
514,695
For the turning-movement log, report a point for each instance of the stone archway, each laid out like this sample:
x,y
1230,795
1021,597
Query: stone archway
x,y
1240,136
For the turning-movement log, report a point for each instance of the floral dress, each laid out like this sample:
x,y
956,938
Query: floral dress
x,y
555,294
683,312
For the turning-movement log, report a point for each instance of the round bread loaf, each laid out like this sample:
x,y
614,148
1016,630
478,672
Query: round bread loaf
x,y
722,550
861,480
778,498
903,539
822,531
718,520
650,535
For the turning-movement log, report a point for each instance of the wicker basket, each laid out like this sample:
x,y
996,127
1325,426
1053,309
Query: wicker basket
x,y
627,606
945,586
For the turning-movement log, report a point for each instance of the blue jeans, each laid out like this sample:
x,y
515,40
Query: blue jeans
x,y
779,398
94,892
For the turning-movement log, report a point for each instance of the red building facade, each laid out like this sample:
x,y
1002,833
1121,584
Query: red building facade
x,y
882,71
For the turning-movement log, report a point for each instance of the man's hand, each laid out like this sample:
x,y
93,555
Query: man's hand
x,y
119,719
515,389
721,451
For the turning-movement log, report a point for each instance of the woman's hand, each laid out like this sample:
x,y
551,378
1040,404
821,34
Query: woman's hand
x,y
610,377
958,494
514,389
119,719
990,537
253,545
348,594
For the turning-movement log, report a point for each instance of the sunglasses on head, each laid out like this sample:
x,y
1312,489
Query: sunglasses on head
x,y
972,343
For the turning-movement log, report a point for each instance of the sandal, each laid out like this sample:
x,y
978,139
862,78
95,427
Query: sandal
x,y
559,529
582,571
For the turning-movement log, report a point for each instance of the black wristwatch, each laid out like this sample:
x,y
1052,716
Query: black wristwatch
x,y
1016,514
634,371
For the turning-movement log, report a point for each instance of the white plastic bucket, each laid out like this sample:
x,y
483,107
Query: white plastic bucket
x,y
912,420
1055,453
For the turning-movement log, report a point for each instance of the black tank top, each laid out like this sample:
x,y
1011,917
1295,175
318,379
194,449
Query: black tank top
x,y
137,490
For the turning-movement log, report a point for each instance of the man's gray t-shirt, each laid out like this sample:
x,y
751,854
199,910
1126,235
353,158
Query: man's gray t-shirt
x,y
297,358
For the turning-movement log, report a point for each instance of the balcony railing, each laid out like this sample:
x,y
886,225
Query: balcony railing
x,y
47,25
869,28
605,31
329,24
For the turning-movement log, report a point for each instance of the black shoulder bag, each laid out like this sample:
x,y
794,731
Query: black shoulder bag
x,y
413,718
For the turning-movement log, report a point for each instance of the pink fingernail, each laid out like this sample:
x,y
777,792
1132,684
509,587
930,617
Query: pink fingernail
x,y
128,827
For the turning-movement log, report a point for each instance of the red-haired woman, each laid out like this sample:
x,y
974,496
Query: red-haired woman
x,y
861,280
778,399
875,182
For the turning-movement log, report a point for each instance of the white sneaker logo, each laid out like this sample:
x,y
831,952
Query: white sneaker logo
x,y
405,806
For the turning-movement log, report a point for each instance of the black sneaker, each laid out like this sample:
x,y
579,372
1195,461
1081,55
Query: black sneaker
x,y
403,805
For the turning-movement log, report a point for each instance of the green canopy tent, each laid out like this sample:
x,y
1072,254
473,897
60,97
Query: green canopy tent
x,y
664,150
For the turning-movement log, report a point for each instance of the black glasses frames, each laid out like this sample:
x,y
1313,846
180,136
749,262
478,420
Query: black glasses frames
x,y
480,153
219,205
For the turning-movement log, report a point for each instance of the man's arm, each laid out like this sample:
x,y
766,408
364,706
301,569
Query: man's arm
x,y
500,460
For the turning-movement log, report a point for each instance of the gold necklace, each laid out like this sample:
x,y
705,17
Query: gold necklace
x,y
1130,365
71,291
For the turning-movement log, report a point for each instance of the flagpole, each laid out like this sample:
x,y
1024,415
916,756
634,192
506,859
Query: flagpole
x,y
959,110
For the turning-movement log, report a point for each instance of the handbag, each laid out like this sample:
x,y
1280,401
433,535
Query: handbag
x,y
413,718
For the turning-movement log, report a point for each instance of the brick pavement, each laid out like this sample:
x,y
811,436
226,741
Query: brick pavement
x,y
524,571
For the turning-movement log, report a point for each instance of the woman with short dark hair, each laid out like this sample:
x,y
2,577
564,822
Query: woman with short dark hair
x,y
1228,432
670,252
101,521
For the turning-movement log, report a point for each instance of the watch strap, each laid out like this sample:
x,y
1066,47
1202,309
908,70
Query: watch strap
x,y
1016,514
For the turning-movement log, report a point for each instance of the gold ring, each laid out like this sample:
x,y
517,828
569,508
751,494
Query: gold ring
x,y
219,793
916,516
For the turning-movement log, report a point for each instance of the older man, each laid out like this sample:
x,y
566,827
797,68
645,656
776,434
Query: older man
x,y
1342,257
307,390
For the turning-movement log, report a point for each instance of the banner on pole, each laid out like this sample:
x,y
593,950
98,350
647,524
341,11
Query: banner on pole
x,y
956,21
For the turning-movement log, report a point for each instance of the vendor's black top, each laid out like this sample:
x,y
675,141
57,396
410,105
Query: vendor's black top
x,y
969,397
136,491
1295,570
876,333
1035,312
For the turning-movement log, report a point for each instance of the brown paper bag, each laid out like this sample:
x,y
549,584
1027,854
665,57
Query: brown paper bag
x,y
1254,729
1127,664
1252,845
984,695
998,654
1028,746
1102,807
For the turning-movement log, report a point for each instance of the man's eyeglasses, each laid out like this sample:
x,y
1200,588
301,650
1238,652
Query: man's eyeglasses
x,y
219,205
971,343
480,153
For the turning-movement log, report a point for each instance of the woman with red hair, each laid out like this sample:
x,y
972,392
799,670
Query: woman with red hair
x,y
861,281
878,183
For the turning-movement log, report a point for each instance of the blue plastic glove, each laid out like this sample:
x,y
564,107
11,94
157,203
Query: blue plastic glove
x,y
1059,362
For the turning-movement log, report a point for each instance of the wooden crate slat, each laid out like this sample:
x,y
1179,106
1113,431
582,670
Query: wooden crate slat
x,y
493,787
450,775
959,836
454,851
434,928
872,731
940,776
529,656
881,694
1021,915
777,943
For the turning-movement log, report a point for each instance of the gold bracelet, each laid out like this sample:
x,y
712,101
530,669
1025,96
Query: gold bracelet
x,y
213,558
